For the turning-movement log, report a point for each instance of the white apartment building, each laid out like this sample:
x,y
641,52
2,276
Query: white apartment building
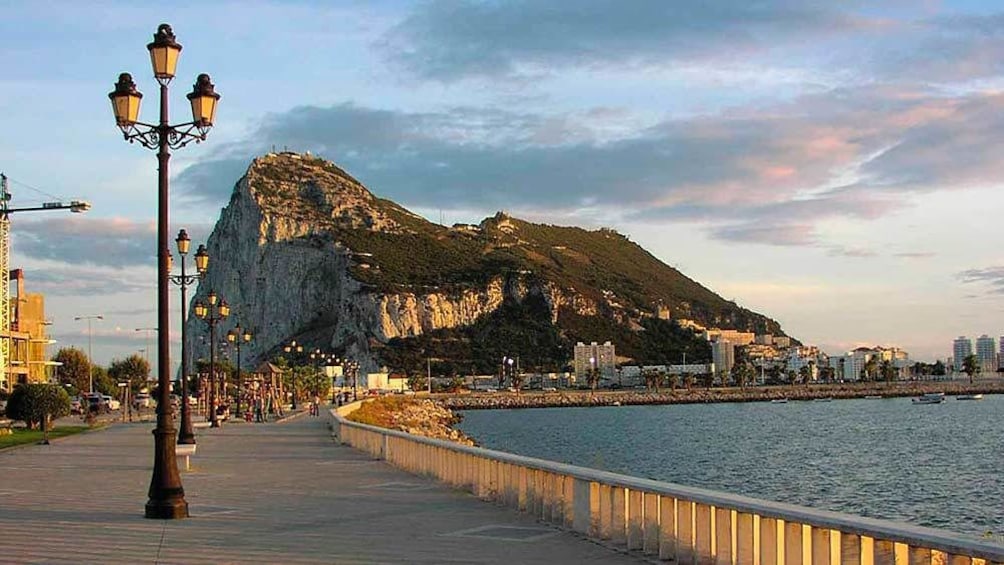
x,y
602,357
962,347
986,353
735,337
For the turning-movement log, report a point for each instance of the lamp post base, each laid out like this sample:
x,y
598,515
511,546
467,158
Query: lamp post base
x,y
167,509
186,439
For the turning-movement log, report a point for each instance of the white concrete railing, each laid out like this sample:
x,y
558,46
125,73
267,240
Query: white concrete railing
x,y
686,524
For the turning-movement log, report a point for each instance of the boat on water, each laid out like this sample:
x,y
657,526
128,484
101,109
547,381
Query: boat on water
x,y
827,399
873,397
969,397
930,398
779,401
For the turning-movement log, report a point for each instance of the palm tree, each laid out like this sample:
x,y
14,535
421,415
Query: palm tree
x,y
674,381
887,371
871,368
971,366
688,380
593,378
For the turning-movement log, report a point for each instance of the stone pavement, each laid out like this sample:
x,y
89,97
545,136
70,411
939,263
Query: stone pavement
x,y
257,493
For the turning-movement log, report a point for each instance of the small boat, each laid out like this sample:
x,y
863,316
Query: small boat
x,y
617,403
969,397
930,398
873,397
779,401
826,399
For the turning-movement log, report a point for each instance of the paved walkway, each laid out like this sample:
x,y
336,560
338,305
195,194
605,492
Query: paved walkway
x,y
277,493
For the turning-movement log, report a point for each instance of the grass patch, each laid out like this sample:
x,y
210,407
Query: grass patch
x,y
22,436
380,411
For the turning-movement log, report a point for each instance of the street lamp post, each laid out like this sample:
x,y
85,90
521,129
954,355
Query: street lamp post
x,y
90,360
353,368
185,433
167,496
212,313
237,337
294,347
334,361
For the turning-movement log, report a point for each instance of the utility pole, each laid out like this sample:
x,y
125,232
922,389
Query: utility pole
x,y
428,372
90,359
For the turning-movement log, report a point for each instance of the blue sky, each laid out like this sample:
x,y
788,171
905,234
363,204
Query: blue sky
x,y
833,165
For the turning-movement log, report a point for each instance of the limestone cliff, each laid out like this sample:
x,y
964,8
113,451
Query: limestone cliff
x,y
304,251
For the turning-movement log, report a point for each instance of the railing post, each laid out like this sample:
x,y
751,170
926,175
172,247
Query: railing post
x,y
825,546
725,530
569,498
618,516
606,512
667,528
650,544
635,519
704,533
685,551
795,546
771,541
747,539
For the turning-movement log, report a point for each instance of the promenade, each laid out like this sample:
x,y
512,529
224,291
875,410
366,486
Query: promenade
x,y
273,493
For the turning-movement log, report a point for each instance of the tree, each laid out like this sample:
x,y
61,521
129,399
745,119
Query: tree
x,y
888,371
674,380
688,381
938,369
871,368
804,374
742,373
74,368
38,403
971,366
133,370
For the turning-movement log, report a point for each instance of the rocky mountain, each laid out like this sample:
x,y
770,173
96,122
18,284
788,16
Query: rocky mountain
x,y
304,251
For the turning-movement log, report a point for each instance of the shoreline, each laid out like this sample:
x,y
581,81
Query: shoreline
x,y
570,399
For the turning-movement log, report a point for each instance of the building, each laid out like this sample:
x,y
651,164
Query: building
x,y
602,357
29,337
723,357
782,341
735,337
962,347
764,339
986,353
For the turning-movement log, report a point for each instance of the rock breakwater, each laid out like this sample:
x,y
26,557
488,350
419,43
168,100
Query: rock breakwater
x,y
427,418
702,395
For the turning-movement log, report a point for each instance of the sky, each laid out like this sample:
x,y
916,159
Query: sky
x,y
833,165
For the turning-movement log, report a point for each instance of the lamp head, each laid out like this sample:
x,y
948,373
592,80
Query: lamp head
x,y
204,100
164,51
125,101
200,309
183,242
201,260
224,309
212,298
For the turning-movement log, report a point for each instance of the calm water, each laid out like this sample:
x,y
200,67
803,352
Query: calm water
x,y
934,465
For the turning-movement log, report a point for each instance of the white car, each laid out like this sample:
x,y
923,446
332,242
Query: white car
x,y
141,400
111,403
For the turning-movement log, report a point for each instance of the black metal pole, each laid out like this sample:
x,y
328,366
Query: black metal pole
x,y
167,496
185,435
240,388
294,387
214,421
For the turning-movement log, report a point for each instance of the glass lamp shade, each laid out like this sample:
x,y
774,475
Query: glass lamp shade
x,y
247,336
164,52
231,337
212,298
224,309
204,100
170,262
183,242
286,349
125,101
200,309
201,259
299,349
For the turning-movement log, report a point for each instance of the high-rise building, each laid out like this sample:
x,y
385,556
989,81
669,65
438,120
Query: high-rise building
x,y
723,355
602,357
986,353
962,347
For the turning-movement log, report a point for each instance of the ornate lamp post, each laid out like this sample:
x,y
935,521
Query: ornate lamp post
x,y
237,337
352,368
167,496
185,433
333,361
294,347
212,313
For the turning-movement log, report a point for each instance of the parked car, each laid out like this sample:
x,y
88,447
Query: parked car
x,y
96,403
141,400
76,406
111,403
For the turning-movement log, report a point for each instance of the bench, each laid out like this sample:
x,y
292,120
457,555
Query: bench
x,y
185,450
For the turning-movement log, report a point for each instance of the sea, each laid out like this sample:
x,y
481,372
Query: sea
x,y
937,465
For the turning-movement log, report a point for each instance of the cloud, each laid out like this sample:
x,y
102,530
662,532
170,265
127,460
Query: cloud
x,y
447,40
98,242
857,153
88,281
915,254
992,276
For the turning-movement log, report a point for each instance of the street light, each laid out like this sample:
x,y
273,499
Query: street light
x,y
186,435
147,330
237,336
294,347
167,496
212,313
90,362
334,361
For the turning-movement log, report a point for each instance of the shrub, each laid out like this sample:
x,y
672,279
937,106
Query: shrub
x,y
35,403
